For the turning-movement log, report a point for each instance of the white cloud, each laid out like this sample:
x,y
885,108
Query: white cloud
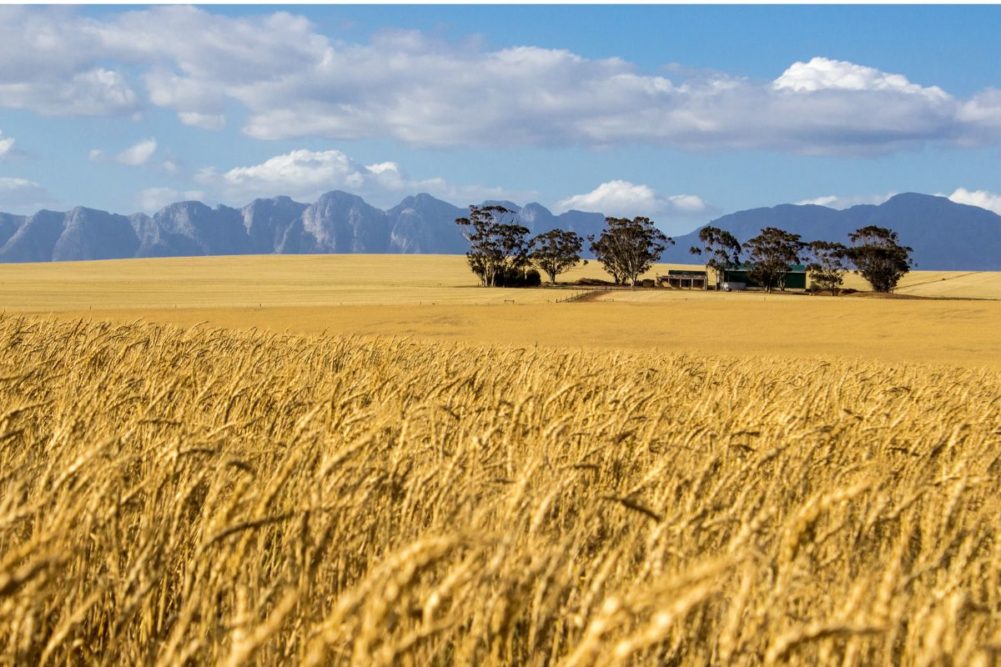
x,y
830,201
138,154
625,199
19,195
206,121
533,96
292,81
842,202
981,118
151,200
89,92
687,203
826,74
299,173
6,146
53,65
384,168
982,198
616,198
306,174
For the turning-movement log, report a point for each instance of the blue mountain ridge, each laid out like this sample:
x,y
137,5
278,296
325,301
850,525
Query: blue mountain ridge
x,y
944,235
337,222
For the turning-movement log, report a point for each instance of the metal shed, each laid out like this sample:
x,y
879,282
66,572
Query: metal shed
x,y
794,279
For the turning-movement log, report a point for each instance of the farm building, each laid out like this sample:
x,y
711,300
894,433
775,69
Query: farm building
x,y
681,279
794,279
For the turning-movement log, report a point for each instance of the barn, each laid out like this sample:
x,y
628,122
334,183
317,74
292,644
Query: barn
x,y
682,279
795,278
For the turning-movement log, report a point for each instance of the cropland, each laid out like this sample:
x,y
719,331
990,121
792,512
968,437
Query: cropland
x,y
436,298
213,461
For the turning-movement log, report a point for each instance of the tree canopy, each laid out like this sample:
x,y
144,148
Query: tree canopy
x,y
499,248
628,248
556,251
721,249
772,254
828,264
878,257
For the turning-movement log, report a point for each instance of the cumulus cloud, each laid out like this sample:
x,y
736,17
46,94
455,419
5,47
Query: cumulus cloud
x,y
94,92
618,198
529,95
290,81
6,146
982,198
842,201
54,65
19,195
138,154
625,199
981,118
296,172
687,204
306,174
827,74
206,121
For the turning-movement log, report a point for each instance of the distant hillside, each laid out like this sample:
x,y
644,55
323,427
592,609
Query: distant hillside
x,y
945,236
337,222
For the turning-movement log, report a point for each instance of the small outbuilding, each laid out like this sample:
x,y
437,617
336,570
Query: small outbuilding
x,y
682,279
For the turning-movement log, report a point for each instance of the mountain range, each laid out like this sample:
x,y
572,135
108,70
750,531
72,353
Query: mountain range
x,y
337,222
944,235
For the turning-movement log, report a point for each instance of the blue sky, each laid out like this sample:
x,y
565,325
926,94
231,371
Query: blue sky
x,y
677,112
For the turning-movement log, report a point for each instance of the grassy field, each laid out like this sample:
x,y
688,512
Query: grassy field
x,y
172,496
435,298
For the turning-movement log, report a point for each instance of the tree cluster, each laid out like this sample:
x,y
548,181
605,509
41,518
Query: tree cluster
x,y
628,248
828,264
772,255
878,257
502,254
875,253
498,247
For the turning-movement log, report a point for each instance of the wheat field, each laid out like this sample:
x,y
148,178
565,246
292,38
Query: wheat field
x,y
202,496
435,298
270,281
